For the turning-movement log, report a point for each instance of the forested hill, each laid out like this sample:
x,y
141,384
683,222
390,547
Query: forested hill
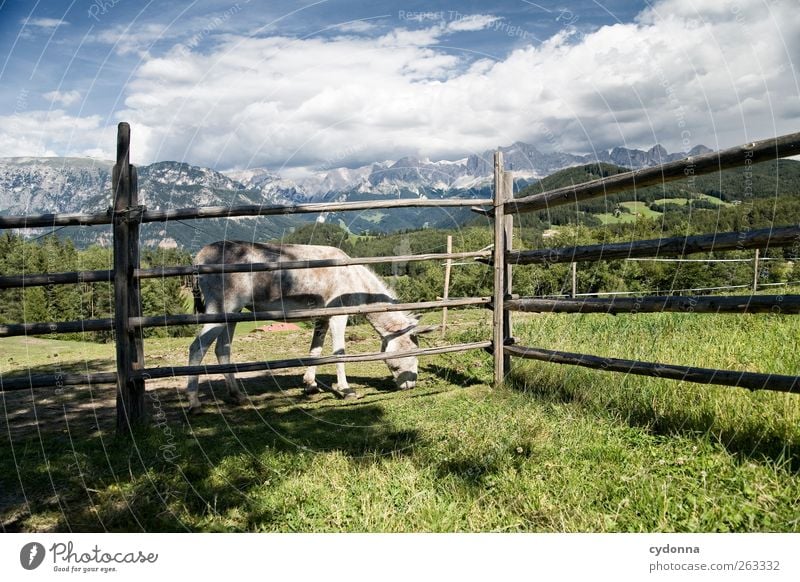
x,y
755,194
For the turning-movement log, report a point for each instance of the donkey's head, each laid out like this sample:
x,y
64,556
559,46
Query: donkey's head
x,y
404,339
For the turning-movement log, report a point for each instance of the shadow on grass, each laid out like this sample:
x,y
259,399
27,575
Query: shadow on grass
x,y
189,472
751,441
452,376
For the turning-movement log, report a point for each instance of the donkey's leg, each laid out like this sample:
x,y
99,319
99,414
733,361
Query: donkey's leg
x,y
197,352
317,340
223,352
338,325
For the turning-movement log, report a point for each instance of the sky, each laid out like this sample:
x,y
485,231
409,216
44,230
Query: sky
x,y
303,86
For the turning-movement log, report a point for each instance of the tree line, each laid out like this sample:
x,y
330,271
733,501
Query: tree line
x,y
80,301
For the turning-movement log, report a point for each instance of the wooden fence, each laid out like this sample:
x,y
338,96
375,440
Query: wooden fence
x,y
745,155
126,216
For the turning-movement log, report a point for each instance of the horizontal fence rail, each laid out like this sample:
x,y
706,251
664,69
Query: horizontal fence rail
x,y
169,372
58,380
107,324
749,380
778,304
83,325
676,245
288,265
47,220
43,279
752,153
300,314
47,380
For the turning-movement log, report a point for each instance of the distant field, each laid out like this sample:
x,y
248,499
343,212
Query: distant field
x,y
640,208
558,449
683,201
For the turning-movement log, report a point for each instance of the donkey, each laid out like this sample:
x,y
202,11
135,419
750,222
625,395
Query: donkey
x,y
291,289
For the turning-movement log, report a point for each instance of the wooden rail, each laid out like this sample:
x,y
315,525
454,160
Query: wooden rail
x,y
777,304
301,314
747,154
50,220
749,380
42,279
46,380
676,245
169,372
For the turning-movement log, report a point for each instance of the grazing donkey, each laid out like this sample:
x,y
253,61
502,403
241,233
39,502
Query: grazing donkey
x,y
291,289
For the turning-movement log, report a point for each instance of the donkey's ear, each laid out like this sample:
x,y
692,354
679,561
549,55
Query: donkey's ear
x,y
422,329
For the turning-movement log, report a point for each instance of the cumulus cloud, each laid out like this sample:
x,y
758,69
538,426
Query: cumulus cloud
x,y
55,133
65,98
684,72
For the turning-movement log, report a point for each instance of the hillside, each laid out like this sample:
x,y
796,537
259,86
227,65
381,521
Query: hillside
x,y
725,194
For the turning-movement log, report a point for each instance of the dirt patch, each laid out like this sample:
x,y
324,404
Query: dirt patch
x,y
280,326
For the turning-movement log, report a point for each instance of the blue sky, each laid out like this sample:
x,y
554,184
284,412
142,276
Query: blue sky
x,y
299,86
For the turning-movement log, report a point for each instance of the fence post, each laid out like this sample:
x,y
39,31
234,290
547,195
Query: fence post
x,y
446,294
756,267
508,231
130,393
502,280
574,267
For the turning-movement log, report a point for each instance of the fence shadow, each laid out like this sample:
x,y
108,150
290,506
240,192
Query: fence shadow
x,y
752,441
212,463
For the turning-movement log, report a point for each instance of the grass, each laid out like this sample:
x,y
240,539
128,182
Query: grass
x,y
695,195
641,208
558,449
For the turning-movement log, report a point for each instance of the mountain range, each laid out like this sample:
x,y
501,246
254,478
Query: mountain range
x,y
66,185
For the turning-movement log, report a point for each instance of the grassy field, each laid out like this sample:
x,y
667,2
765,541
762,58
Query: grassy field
x,y
558,449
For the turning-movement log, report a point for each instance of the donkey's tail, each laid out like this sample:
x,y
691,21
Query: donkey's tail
x,y
199,305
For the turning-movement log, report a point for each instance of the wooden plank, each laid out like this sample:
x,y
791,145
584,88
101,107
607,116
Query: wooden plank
x,y
272,210
574,269
508,240
747,154
755,272
777,304
137,412
301,314
749,380
72,277
50,220
58,380
129,405
676,245
287,265
446,292
500,281
169,372
42,279
80,326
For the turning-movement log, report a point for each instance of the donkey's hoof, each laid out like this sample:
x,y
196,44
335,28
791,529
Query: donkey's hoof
x,y
309,390
195,410
349,394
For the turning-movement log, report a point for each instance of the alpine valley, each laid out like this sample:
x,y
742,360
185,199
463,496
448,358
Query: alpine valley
x,y
30,186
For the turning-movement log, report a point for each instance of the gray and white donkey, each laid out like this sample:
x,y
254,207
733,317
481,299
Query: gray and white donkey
x,y
287,290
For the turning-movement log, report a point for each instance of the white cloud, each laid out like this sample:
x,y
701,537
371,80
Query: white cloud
x,y
681,74
472,22
45,23
134,39
55,133
65,98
